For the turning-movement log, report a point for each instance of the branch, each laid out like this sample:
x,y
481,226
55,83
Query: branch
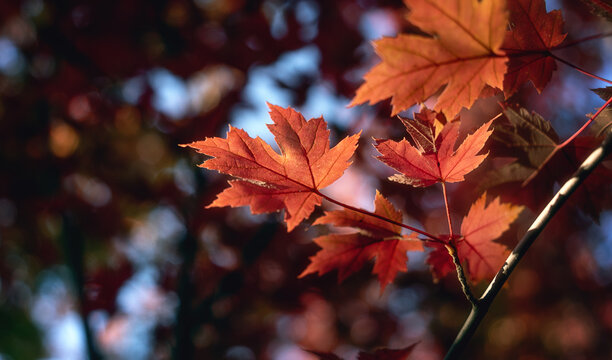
x,y
73,242
480,310
183,330
465,286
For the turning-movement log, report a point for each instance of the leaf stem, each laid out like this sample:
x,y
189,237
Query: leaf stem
x,y
465,286
448,217
365,212
578,68
565,143
452,251
480,310
586,124
581,40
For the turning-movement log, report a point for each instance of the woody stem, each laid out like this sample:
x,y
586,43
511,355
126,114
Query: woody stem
x,y
478,312
365,212
452,251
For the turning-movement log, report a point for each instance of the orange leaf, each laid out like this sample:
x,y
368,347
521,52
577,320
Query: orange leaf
x,y
376,239
434,159
533,30
483,224
463,54
270,181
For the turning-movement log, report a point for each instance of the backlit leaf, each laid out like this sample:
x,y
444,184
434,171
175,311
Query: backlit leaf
x,y
462,56
375,238
270,181
434,159
533,32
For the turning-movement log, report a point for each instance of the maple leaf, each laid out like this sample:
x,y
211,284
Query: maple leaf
x,y
270,181
380,354
534,31
375,238
529,140
604,93
475,246
462,53
527,136
433,159
604,120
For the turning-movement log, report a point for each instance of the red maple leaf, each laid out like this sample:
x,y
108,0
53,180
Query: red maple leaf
x,y
462,55
270,181
475,246
434,158
375,238
534,31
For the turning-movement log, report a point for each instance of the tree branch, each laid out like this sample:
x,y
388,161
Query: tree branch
x,y
480,310
73,243
465,286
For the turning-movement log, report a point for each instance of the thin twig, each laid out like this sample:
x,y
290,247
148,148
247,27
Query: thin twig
x,y
478,312
365,212
465,286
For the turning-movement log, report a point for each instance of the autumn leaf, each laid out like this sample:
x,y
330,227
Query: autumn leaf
x,y
529,140
269,181
534,31
434,158
604,93
462,55
604,120
527,136
375,238
475,246
380,354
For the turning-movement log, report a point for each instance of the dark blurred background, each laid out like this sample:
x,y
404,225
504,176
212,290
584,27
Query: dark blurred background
x,y
106,250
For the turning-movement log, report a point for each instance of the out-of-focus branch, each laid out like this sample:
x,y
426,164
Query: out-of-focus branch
x,y
73,243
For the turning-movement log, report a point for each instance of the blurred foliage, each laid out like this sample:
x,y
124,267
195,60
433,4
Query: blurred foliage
x,y
19,337
95,97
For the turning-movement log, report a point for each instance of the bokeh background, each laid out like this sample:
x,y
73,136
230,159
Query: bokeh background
x,y
106,250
